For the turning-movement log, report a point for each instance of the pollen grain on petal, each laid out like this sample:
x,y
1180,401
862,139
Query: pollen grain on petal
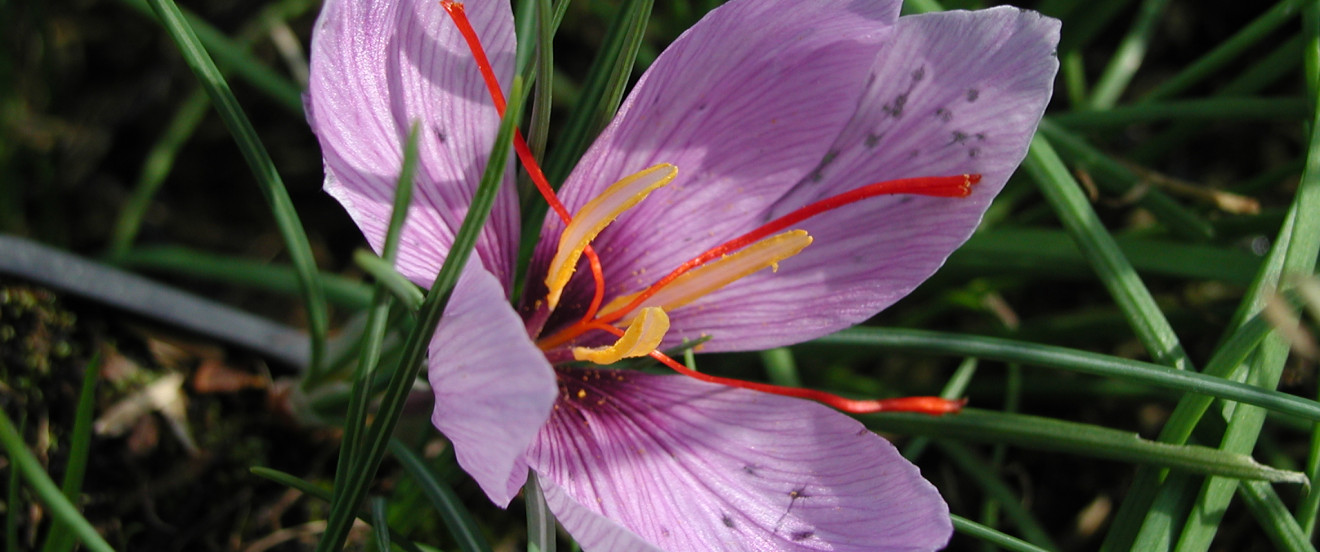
x,y
642,336
714,275
594,217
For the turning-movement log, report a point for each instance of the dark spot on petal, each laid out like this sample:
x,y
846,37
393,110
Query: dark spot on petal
x,y
819,172
980,136
913,154
944,115
872,139
958,137
726,520
919,74
802,535
973,94
750,470
895,108
901,200
440,135
800,492
973,152
702,107
870,79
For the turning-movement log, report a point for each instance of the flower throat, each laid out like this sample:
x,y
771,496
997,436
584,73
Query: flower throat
x,y
644,313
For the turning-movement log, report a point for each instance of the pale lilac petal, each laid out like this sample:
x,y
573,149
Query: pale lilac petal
x,y
739,103
376,68
959,92
686,465
493,387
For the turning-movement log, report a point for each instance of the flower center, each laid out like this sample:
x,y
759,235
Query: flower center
x,y
643,312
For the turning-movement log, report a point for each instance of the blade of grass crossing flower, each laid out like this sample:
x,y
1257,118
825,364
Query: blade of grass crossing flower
x,y
991,536
25,463
956,387
307,488
599,99
379,524
355,418
385,275
277,196
984,475
204,265
1114,270
11,498
461,525
414,349
540,521
155,168
603,89
1119,180
58,538
1062,358
1039,433
1260,28
1298,245
1309,506
237,59
1127,60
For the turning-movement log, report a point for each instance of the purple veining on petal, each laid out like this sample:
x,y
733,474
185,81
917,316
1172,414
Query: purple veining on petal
x,y
493,387
378,67
737,103
688,465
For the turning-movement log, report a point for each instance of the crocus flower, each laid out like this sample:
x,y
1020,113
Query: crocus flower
x,y
758,122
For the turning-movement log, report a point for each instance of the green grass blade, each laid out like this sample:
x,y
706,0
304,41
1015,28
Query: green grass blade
x,y
462,526
1274,516
305,487
1073,360
1049,434
379,518
956,387
1052,254
540,520
1114,270
780,367
1227,51
155,168
414,350
383,272
1131,51
1297,249
1203,109
236,58
341,291
22,461
277,196
982,473
991,536
603,89
58,538
373,334
1116,178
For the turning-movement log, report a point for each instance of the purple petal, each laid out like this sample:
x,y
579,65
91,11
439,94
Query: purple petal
x,y
681,464
493,387
956,93
740,103
376,68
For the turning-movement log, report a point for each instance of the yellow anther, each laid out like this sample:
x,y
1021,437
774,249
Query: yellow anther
x,y
642,336
594,217
714,275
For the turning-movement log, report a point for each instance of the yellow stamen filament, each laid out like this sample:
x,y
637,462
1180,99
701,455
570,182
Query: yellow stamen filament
x,y
594,217
714,275
642,336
